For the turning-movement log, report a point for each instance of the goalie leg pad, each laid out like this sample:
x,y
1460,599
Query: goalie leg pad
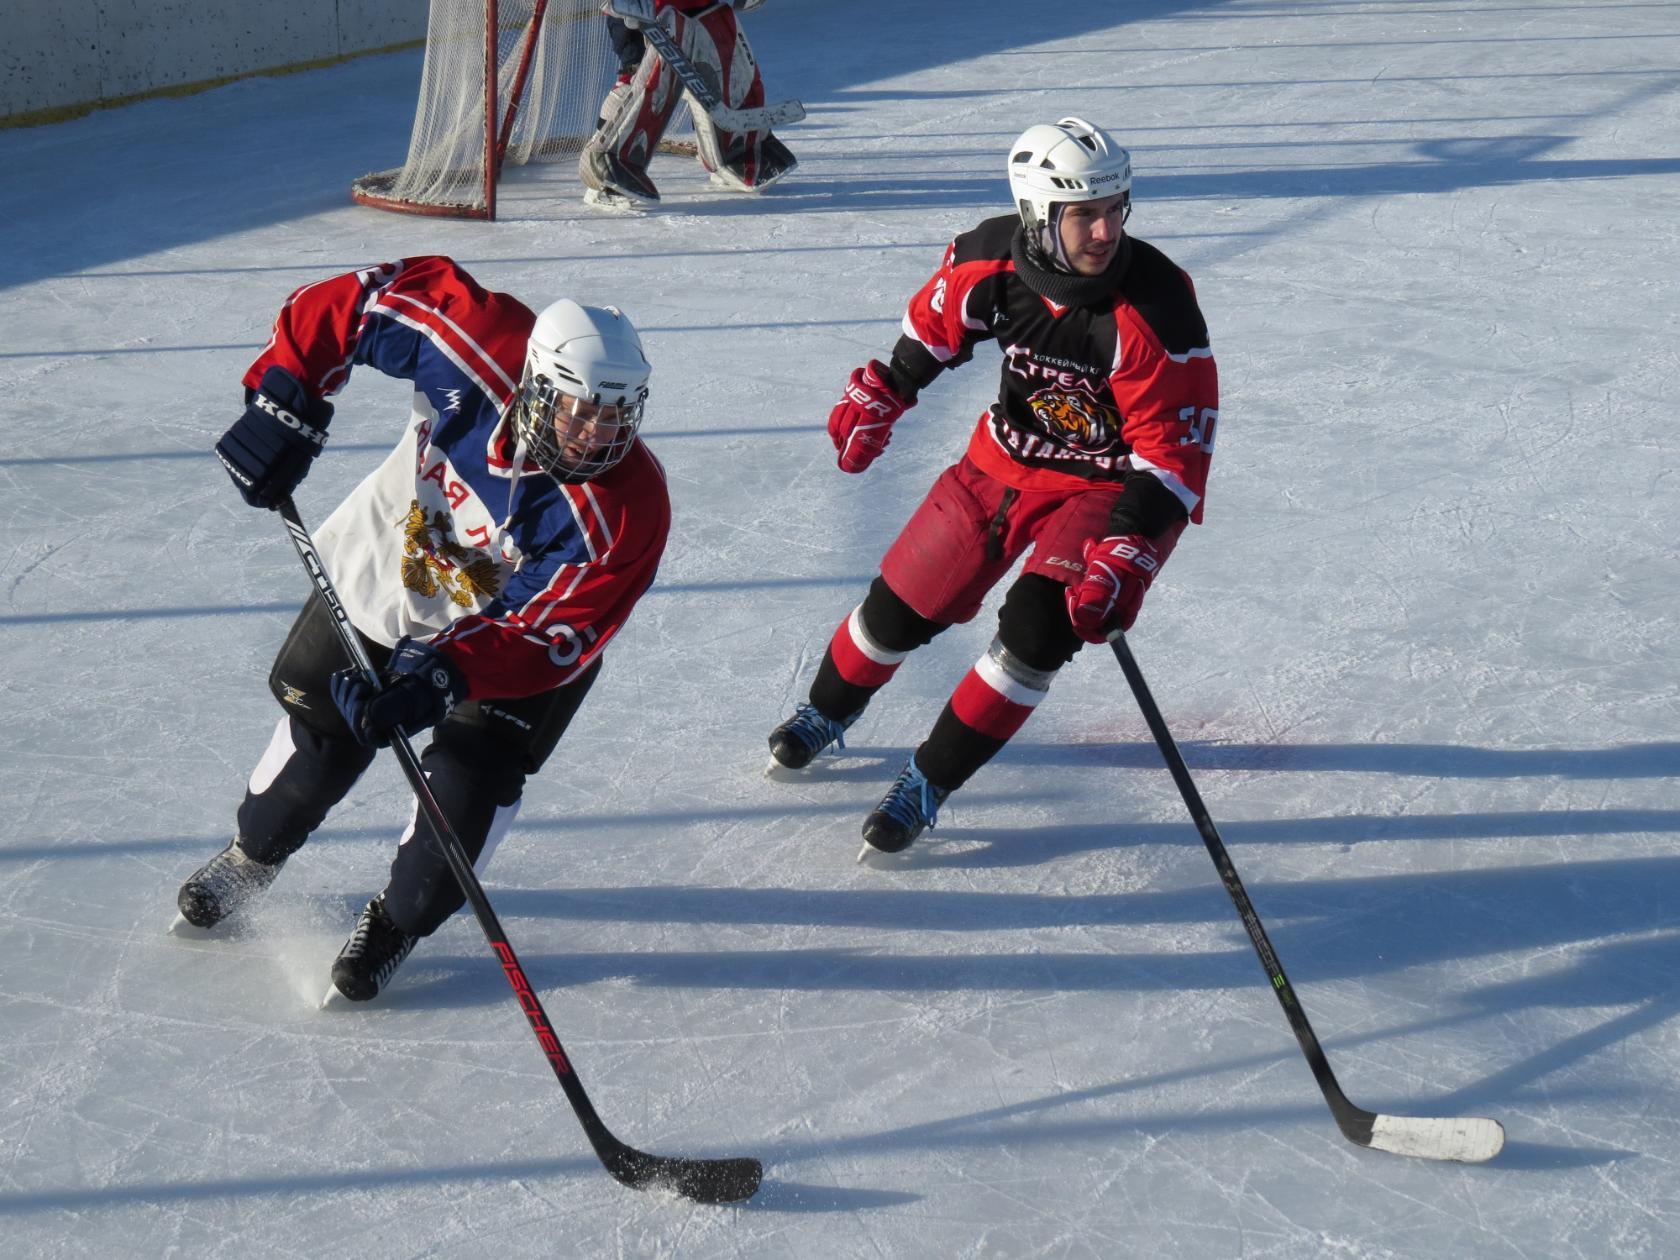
x,y
634,117
747,161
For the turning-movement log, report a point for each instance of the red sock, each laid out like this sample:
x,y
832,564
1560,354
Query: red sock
x,y
992,702
861,661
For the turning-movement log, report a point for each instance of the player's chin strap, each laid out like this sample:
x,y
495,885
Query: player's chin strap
x,y
1467,1138
703,1180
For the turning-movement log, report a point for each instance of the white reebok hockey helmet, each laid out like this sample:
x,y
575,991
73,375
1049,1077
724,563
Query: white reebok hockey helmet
x,y
1054,164
580,402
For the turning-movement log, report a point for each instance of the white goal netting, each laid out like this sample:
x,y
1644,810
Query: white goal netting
x,y
553,64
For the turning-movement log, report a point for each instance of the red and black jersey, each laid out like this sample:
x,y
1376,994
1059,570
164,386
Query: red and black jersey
x,y
1116,379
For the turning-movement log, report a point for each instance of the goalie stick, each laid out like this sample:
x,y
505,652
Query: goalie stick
x,y
1466,1138
703,1180
701,91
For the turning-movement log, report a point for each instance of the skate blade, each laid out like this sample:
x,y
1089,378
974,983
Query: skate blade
x,y
614,202
333,1000
728,183
886,857
725,183
187,930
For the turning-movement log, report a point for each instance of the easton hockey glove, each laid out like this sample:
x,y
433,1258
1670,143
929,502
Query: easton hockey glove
x,y
421,686
861,425
268,450
1118,570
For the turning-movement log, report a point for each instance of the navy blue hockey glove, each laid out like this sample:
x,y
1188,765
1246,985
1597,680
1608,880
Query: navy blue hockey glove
x,y
268,449
421,687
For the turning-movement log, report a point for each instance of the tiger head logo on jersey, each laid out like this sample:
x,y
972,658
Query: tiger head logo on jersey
x,y
1075,419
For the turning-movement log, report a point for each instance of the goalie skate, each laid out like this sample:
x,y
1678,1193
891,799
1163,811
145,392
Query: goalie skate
x,y
612,201
774,161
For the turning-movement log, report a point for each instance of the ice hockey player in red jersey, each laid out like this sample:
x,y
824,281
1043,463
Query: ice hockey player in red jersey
x,y
636,112
486,564
1094,456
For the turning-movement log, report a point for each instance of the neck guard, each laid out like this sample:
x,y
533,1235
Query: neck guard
x,y
1064,288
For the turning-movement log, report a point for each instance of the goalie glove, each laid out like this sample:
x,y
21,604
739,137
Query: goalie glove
x,y
860,426
1118,570
638,13
633,13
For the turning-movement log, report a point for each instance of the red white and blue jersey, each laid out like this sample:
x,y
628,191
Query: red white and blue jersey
x,y
521,581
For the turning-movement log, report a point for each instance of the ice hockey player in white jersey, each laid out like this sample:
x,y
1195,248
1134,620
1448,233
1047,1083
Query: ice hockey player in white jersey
x,y
486,564
638,109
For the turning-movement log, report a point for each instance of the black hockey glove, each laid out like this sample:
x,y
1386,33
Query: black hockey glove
x,y
268,450
421,686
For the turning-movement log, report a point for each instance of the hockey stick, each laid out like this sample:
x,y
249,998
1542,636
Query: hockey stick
x,y
704,1180
1467,1138
757,118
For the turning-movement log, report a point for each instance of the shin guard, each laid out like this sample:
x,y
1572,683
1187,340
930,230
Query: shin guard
x,y
992,702
746,161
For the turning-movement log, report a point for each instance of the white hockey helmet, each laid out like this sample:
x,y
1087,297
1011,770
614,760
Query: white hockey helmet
x,y
580,402
1052,165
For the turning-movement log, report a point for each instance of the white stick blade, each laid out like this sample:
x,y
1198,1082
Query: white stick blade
x,y
1469,1139
784,112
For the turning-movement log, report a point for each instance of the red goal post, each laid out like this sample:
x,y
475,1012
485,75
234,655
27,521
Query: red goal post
x,y
505,82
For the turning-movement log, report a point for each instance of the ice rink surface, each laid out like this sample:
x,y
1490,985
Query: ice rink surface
x,y
1421,659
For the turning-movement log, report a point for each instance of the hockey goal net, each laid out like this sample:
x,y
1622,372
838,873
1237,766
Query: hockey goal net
x,y
504,82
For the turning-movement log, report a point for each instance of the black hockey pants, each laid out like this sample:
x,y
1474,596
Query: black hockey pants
x,y
476,765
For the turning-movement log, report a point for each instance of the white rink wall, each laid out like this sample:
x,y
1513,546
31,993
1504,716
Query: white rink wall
x,y
61,54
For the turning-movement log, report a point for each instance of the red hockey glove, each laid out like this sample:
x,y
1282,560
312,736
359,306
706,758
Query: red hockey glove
x,y
861,425
1118,570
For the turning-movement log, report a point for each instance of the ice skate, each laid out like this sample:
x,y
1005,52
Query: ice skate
x,y
774,161
909,808
222,886
370,957
796,742
613,202
613,185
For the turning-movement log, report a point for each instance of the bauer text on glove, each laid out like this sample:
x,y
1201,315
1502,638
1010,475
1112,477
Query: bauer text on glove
x,y
1118,570
861,424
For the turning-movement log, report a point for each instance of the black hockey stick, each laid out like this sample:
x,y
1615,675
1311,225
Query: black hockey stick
x,y
704,1180
1467,1138
756,118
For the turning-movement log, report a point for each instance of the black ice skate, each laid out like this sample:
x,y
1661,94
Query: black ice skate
x,y
796,742
613,184
223,885
775,160
908,809
371,956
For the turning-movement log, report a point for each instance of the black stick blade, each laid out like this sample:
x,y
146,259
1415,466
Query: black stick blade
x,y
703,1180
